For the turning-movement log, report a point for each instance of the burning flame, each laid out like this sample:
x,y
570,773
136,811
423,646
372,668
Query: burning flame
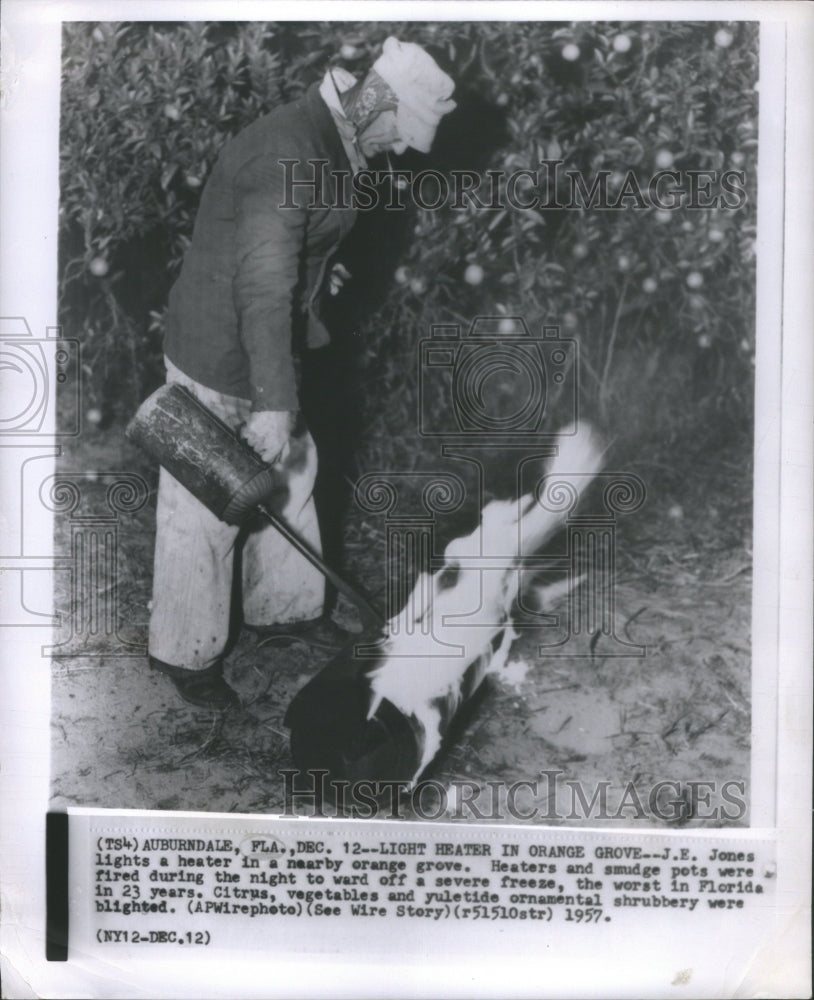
x,y
460,614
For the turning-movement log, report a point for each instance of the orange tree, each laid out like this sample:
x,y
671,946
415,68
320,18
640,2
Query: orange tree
x,y
660,298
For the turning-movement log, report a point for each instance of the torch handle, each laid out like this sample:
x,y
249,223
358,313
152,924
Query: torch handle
x,y
371,615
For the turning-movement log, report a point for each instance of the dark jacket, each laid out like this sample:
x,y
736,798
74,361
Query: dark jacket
x,y
245,302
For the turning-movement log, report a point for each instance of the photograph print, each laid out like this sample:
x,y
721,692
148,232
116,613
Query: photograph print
x,y
409,427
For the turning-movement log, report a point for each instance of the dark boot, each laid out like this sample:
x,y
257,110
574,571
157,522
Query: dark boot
x,y
202,688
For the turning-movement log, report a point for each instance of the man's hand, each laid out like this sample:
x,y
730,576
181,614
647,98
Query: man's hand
x,y
268,432
337,278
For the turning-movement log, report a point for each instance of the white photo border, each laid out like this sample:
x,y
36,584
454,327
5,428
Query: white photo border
x,y
781,673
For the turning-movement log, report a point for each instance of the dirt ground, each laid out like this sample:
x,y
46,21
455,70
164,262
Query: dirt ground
x,y
122,739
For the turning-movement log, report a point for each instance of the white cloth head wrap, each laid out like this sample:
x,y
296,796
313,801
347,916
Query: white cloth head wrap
x,y
422,88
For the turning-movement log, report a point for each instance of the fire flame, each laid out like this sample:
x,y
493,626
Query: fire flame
x,y
461,614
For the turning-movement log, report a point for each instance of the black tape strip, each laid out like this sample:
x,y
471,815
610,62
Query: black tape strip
x,y
56,887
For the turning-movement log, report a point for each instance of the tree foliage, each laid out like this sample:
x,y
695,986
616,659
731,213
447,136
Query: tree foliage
x,y
661,301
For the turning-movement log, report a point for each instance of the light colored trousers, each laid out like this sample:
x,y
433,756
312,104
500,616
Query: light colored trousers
x,y
194,558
